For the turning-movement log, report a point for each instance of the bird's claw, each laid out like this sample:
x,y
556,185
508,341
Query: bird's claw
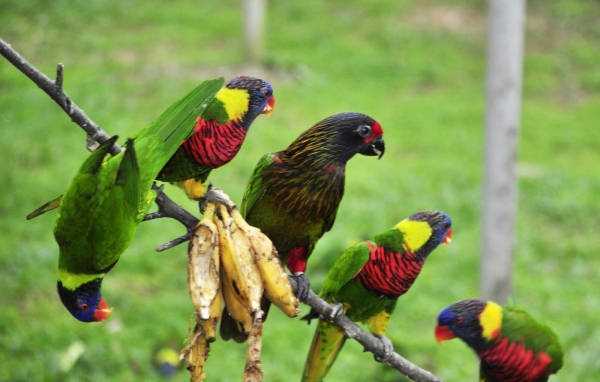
x,y
312,315
336,310
388,349
302,286
214,195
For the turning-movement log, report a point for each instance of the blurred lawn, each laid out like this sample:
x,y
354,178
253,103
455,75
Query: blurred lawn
x,y
417,67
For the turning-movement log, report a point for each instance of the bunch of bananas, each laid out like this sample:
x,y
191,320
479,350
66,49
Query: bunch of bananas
x,y
234,263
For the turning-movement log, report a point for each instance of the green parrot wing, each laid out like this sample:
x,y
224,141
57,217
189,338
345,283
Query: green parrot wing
x,y
255,189
173,124
163,136
158,142
345,269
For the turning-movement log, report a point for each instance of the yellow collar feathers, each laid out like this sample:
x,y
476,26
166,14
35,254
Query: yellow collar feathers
x,y
416,233
235,102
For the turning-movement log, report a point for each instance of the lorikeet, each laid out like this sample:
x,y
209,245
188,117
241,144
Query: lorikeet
x,y
367,279
512,345
216,139
219,134
109,196
293,195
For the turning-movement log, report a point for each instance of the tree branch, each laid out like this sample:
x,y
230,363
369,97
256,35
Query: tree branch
x,y
55,91
168,208
371,343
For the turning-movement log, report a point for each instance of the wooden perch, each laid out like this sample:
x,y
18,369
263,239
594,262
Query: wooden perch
x,y
168,208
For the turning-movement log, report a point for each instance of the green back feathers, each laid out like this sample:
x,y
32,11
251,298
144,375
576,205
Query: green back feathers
x,y
518,325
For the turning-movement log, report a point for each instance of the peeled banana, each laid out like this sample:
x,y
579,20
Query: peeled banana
x,y
203,264
232,263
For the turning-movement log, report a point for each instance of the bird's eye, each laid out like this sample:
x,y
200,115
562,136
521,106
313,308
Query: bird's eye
x,y
458,320
84,307
266,92
364,131
446,226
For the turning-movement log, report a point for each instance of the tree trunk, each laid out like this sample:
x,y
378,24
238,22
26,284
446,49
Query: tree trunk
x,y
505,36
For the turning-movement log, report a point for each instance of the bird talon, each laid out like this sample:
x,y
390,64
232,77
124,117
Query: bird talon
x,y
335,312
302,286
312,315
388,349
214,195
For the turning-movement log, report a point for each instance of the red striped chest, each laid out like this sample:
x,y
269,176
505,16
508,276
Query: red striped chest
x,y
507,361
212,145
389,273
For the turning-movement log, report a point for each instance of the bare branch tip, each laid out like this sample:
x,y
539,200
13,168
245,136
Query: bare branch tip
x,y
59,79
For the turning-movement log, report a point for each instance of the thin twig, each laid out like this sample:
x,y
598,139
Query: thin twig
x,y
55,91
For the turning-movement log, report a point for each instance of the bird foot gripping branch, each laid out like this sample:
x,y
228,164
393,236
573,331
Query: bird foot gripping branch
x,y
232,263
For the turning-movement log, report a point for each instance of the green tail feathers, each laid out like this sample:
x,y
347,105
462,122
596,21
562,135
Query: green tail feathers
x,y
54,203
325,347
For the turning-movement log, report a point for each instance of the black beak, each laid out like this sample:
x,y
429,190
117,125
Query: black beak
x,y
375,148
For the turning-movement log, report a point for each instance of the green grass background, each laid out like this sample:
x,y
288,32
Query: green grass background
x,y
416,67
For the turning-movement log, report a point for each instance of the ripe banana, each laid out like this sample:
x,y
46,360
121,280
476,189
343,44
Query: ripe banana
x,y
203,264
277,285
237,311
237,263
243,250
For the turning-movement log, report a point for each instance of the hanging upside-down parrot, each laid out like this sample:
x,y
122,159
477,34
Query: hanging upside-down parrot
x,y
366,281
219,134
107,199
293,195
512,346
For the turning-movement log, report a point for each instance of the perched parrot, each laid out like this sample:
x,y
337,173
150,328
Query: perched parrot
x,y
367,279
109,196
512,346
216,139
293,195
219,134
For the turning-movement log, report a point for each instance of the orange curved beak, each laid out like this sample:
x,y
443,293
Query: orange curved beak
x,y
448,237
443,333
102,311
270,106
